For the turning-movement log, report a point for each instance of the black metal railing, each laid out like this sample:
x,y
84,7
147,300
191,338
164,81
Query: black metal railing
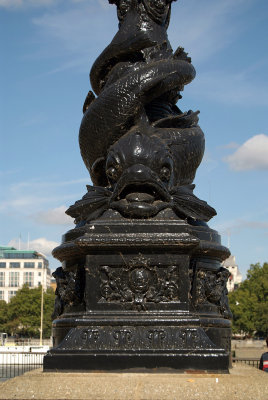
x,y
17,363
253,362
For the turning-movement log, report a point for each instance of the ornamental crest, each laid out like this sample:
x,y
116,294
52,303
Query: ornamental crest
x,y
139,283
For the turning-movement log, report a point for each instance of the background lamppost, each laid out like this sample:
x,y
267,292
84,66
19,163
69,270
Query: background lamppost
x,y
42,307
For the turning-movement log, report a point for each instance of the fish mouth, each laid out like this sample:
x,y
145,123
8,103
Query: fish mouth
x,y
140,200
136,191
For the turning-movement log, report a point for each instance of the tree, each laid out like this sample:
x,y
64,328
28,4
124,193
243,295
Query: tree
x,y
23,312
49,299
249,303
3,315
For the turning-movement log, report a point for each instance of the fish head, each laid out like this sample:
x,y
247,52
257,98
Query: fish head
x,y
140,171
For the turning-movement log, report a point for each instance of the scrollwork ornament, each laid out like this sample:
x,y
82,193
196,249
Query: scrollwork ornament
x,y
211,289
139,283
69,290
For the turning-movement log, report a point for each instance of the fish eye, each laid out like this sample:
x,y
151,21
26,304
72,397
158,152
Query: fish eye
x,y
158,3
112,173
165,173
123,7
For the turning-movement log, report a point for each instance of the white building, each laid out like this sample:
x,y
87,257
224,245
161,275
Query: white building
x,y
19,267
236,277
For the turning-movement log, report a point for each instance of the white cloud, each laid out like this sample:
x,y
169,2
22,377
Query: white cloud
x,y
243,88
25,204
9,172
231,145
75,35
36,196
9,4
74,32
19,4
209,163
258,221
41,244
242,226
54,216
205,27
251,155
36,184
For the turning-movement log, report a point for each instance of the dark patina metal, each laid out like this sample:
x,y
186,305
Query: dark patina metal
x,y
141,283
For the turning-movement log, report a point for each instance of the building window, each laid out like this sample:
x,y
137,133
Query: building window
x,y
28,278
14,265
1,295
29,265
14,279
39,273
15,254
2,279
11,294
3,265
40,265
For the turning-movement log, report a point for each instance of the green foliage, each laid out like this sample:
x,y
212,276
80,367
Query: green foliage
x,y
22,315
49,298
3,315
249,303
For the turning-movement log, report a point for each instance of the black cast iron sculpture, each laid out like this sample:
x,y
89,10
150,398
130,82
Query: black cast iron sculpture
x,y
141,284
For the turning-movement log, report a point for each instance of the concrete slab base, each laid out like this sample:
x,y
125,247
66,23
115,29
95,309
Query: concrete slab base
x,y
243,383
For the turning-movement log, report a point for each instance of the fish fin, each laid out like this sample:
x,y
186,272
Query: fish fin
x,y
186,204
92,204
180,54
89,99
184,120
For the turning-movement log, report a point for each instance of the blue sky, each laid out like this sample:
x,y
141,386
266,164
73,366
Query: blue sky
x,y
47,50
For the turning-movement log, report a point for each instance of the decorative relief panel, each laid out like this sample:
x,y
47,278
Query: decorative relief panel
x,y
89,337
70,290
192,338
156,337
141,337
211,289
138,283
123,337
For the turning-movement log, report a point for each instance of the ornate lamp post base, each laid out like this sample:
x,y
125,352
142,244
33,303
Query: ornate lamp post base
x,y
154,297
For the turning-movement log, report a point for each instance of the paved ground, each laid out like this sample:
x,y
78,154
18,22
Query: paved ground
x,y
250,352
243,383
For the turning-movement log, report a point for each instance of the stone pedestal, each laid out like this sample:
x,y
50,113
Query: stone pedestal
x,y
243,383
